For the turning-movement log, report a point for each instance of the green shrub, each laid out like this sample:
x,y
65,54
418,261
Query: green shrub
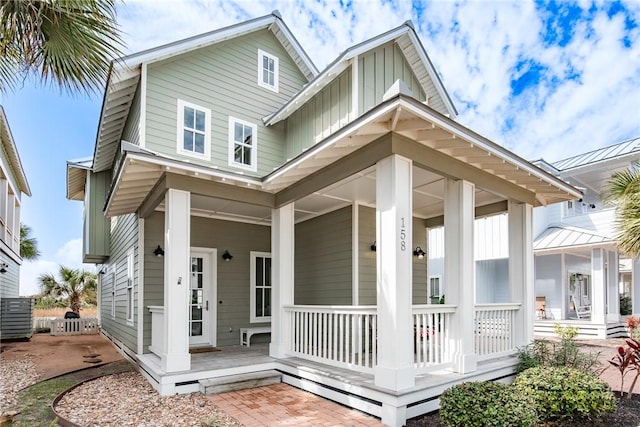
x,y
551,353
486,404
563,393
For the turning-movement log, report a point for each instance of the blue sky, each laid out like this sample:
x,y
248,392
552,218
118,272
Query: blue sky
x,y
544,79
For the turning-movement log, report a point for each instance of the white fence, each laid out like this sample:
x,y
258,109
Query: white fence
x,y
82,326
494,329
342,336
431,325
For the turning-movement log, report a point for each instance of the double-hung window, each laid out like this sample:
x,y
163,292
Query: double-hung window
x,y
260,300
194,130
268,70
243,144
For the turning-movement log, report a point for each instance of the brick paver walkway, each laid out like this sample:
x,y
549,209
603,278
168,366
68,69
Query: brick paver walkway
x,y
284,405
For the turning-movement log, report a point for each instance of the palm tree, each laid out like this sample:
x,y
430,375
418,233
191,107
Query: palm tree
x,y
67,42
74,285
624,193
28,244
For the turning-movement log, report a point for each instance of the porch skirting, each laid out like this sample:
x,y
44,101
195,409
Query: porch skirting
x,y
586,329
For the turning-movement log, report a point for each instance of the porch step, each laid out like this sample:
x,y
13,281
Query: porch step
x,y
239,382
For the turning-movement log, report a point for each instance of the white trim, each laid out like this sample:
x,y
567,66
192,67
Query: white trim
x,y
355,255
252,286
355,93
142,124
254,144
181,105
130,288
276,71
140,277
212,255
114,278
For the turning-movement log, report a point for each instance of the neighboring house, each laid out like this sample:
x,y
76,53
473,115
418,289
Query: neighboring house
x,y
236,190
13,184
580,275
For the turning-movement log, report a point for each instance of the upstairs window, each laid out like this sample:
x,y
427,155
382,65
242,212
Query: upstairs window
x,y
194,130
268,70
243,144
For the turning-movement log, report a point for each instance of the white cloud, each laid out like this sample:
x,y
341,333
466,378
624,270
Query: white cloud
x,y
69,255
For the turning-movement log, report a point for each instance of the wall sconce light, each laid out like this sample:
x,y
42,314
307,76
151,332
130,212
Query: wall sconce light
x,y
159,252
374,247
103,271
592,206
419,252
3,267
227,256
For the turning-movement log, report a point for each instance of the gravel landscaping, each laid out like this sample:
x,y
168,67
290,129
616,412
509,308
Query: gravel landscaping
x,y
14,376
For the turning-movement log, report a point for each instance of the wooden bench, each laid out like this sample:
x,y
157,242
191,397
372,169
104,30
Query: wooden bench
x,y
583,312
247,333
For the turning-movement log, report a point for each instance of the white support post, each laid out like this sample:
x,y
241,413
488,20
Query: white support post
x,y
177,225
394,254
635,286
282,252
459,265
598,285
613,292
521,283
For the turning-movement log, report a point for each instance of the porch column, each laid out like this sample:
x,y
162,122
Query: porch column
x,y
635,286
613,292
459,270
395,368
521,283
598,285
282,252
177,240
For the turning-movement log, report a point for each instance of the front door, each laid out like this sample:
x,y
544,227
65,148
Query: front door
x,y
202,289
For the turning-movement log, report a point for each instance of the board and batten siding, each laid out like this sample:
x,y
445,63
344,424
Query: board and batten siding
x,y
223,78
131,132
323,261
233,281
378,69
322,115
367,258
124,237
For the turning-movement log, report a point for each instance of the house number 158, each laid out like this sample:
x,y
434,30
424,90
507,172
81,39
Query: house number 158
x,y
403,235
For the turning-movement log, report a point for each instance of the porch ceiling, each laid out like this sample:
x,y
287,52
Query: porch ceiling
x,y
332,174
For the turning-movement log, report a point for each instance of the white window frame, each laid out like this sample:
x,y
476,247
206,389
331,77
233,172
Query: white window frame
x,y
130,278
113,292
232,142
181,104
439,281
276,71
252,315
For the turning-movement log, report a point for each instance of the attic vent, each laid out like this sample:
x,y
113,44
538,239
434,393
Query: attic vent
x,y
397,88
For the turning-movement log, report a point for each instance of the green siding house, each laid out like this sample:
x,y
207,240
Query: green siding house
x,y
240,199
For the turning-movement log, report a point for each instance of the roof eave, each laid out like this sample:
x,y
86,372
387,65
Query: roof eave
x,y
14,157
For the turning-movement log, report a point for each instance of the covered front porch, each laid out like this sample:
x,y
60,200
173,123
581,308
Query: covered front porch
x,y
346,292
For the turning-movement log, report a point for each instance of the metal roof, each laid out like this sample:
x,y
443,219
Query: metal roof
x,y
599,155
557,237
9,147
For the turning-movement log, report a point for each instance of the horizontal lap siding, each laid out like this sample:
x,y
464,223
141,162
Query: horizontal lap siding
x,y
223,78
233,276
378,70
367,258
131,132
323,261
324,114
10,281
124,236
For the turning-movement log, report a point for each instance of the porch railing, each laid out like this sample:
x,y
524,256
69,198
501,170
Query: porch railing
x,y
342,336
494,329
431,325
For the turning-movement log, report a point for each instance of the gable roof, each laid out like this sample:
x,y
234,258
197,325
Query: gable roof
x,y
125,75
9,147
409,43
